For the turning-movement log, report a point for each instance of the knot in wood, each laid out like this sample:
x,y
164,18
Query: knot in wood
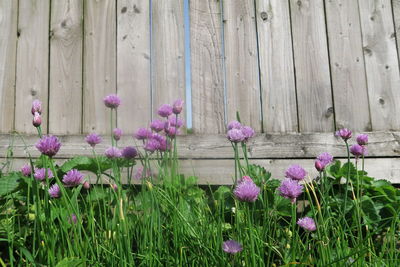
x,y
264,16
329,112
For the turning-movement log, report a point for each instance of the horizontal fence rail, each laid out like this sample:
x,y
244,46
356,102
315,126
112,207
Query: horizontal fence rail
x,y
294,69
210,157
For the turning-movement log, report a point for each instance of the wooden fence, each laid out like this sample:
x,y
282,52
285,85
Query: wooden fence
x,y
296,70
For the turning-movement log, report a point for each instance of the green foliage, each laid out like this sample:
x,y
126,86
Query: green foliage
x,y
9,183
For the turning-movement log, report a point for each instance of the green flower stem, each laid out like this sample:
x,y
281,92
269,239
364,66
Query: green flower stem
x,y
347,178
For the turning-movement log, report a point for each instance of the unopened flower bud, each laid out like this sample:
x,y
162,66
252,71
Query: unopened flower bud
x,y
37,120
86,185
177,106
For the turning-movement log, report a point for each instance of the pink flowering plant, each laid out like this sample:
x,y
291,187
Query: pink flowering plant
x,y
127,204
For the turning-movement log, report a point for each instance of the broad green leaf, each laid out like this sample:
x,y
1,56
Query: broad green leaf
x,y
9,183
371,210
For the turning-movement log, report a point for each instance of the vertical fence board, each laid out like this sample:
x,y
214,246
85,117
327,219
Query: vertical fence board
x,y
207,66
133,64
99,63
314,95
347,65
65,104
8,39
168,61
32,63
396,18
241,63
381,63
276,66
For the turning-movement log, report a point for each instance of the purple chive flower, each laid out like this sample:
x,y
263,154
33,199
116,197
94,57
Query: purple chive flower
x,y
172,132
295,172
248,132
322,161
358,150
72,178
307,224
112,101
113,152
325,158
73,219
162,140
40,174
165,110
151,145
54,191
174,122
235,135
86,185
26,170
231,247
344,133
129,152
117,133
362,139
177,106
157,125
246,190
142,134
48,145
37,120
290,189
36,107
93,139
234,125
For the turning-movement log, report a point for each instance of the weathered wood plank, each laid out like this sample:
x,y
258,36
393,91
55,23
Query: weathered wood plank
x,y
100,68
168,52
314,95
221,172
381,62
241,63
347,65
207,66
65,98
381,144
276,66
8,44
32,63
133,64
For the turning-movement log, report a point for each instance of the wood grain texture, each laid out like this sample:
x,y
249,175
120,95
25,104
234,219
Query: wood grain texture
x,y
8,44
133,64
168,52
100,68
314,95
65,94
276,66
381,62
347,65
241,63
32,63
276,146
221,172
207,66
